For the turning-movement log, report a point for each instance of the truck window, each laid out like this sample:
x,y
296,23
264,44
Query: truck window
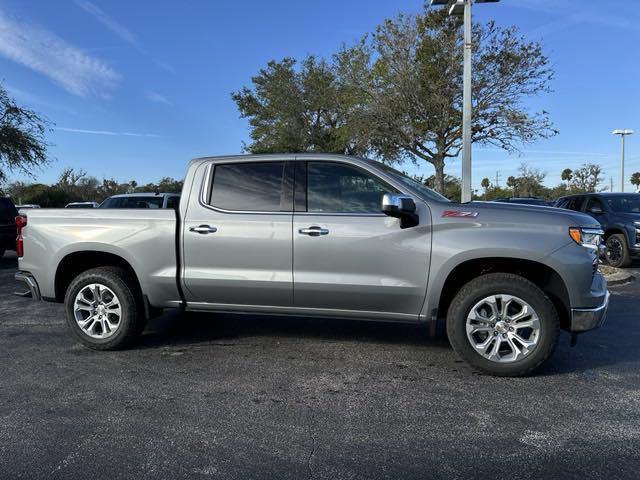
x,y
256,187
338,188
173,202
574,203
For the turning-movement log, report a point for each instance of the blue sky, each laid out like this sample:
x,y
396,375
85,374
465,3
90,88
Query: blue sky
x,y
136,89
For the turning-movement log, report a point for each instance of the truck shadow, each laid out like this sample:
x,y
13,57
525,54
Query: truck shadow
x,y
193,328
600,352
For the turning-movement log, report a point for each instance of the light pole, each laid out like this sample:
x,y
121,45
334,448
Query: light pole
x,y
622,133
463,8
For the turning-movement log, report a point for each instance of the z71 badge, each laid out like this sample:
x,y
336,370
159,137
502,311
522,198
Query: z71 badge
x,y
459,213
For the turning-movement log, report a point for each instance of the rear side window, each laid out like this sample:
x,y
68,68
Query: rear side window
x,y
338,188
254,187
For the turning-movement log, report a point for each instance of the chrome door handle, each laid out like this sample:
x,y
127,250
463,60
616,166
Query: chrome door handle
x,y
314,231
203,229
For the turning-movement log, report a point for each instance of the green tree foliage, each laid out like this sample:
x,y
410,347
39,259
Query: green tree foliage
x,y
635,179
22,138
397,94
298,110
567,175
78,186
485,183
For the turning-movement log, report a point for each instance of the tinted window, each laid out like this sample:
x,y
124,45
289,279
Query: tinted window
x,y
625,203
593,202
248,186
132,202
339,188
173,202
574,203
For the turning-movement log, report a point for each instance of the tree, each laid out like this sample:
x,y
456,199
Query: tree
x,y
566,175
22,138
297,110
587,178
512,183
485,183
528,183
635,179
397,94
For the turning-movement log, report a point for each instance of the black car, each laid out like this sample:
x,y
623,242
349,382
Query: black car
x,y
524,201
619,215
8,213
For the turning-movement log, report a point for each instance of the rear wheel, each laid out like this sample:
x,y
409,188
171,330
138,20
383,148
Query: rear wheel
x,y
503,324
617,251
104,308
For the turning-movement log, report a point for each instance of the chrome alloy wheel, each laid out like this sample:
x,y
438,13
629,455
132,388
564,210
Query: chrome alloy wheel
x,y
97,311
503,328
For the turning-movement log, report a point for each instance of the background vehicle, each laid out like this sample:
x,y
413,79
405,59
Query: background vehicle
x,y
8,213
325,235
524,201
82,205
619,216
27,206
142,200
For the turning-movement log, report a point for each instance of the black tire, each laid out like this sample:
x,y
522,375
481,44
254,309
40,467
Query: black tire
x,y
509,284
618,243
132,320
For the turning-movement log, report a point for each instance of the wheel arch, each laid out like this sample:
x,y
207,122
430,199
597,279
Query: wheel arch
x,y
545,277
75,263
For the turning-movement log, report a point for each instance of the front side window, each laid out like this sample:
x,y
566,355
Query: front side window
x,y
594,202
338,188
248,187
574,203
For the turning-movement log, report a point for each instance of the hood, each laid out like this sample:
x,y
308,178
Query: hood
x,y
519,213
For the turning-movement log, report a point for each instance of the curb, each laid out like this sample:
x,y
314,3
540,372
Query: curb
x,y
619,279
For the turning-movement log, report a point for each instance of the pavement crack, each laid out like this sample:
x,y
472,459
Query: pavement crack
x,y
312,435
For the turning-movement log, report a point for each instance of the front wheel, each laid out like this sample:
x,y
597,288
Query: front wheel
x,y
503,325
617,252
104,309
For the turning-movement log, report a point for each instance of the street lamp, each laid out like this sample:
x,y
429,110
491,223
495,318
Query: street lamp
x,y
622,133
463,8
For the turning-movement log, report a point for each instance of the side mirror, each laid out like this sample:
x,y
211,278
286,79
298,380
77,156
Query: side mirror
x,y
402,207
596,210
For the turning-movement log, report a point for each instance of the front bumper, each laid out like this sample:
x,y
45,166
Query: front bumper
x,y
584,319
30,281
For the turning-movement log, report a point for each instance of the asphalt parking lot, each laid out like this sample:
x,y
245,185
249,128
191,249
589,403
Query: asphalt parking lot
x,y
228,397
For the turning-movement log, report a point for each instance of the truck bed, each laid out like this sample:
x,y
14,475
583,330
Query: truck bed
x,y
144,238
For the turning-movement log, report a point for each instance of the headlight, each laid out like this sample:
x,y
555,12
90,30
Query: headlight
x,y
587,237
637,224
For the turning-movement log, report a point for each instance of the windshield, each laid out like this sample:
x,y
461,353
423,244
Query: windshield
x,y
625,204
410,182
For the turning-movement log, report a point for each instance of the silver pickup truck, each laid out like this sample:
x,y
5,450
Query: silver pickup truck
x,y
324,235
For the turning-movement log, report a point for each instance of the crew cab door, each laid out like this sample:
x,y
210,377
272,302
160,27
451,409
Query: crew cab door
x,y
237,236
348,257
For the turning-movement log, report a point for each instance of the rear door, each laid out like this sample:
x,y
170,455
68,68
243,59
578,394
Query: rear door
x,y
237,236
348,257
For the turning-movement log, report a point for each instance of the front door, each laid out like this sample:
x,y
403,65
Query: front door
x,y
347,256
237,237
